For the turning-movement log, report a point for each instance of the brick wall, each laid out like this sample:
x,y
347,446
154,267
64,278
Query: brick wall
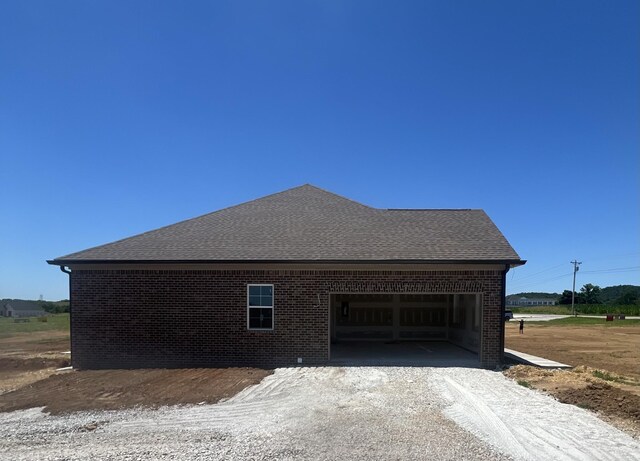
x,y
198,318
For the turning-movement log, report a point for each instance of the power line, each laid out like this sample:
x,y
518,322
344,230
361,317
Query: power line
x,y
517,285
536,282
549,269
532,279
613,270
540,277
538,273
611,257
598,271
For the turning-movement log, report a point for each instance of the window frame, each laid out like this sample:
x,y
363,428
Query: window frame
x,y
272,307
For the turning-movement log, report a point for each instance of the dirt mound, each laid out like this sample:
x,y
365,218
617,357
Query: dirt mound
x,y
616,398
117,389
32,363
20,368
603,398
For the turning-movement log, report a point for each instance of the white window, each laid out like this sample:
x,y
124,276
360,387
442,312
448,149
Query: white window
x,y
260,307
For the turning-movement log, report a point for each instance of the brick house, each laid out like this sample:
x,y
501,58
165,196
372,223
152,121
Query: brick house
x,y
286,278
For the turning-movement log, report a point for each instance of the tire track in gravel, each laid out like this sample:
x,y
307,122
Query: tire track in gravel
x,y
483,416
526,424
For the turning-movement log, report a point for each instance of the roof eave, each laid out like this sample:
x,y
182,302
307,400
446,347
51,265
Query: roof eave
x,y
67,262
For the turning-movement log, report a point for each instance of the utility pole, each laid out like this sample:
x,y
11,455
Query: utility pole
x,y
573,292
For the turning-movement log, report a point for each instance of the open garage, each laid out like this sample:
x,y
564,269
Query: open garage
x,y
369,327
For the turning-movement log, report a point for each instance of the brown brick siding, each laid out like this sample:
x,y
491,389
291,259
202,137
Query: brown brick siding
x,y
198,318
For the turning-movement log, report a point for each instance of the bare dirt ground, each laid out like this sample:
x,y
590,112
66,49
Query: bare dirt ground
x,y
28,378
615,349
606,373
29,357
119,389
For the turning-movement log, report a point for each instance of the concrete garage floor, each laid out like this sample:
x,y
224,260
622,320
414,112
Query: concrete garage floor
x,y
405,354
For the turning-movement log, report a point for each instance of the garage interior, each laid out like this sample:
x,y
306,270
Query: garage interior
x,y
401,328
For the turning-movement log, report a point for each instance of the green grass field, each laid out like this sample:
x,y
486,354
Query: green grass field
x,y
585,309
586,321
558,310
8,326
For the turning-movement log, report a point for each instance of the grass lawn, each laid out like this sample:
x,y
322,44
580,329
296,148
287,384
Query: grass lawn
x,y
586,321
556,310
584,309
58,322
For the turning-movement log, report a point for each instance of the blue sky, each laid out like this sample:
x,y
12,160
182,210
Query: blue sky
x,y
117,118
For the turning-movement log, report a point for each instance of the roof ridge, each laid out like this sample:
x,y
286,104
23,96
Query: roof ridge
x,y
209,214
334,194
307,223
433,209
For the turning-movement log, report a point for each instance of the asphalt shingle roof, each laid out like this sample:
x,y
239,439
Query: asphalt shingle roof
x,y
309,224
21,305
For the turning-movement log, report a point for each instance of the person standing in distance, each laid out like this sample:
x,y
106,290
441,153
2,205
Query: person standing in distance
x,y
521,326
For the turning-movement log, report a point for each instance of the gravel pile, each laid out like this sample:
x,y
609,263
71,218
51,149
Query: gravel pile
x,y
311,413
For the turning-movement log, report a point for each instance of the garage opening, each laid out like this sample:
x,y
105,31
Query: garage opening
x,y
377,326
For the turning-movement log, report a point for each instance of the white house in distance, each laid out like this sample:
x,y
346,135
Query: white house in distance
x,y
20,308
524,301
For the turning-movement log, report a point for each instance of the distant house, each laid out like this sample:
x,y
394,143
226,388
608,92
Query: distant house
x,y
524,301
288,279
21,308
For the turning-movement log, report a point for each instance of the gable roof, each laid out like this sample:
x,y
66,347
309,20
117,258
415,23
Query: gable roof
x,y
22,305
308,224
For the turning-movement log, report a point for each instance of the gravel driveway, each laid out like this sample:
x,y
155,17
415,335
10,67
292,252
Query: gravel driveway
x,y
332,413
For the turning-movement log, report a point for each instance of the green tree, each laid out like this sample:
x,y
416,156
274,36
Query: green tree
x,y
55,307
590,294
565,297
627,298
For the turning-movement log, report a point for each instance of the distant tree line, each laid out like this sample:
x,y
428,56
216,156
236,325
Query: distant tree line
x,y
625,295
55,307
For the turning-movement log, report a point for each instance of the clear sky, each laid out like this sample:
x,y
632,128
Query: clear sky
x,y
121,117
